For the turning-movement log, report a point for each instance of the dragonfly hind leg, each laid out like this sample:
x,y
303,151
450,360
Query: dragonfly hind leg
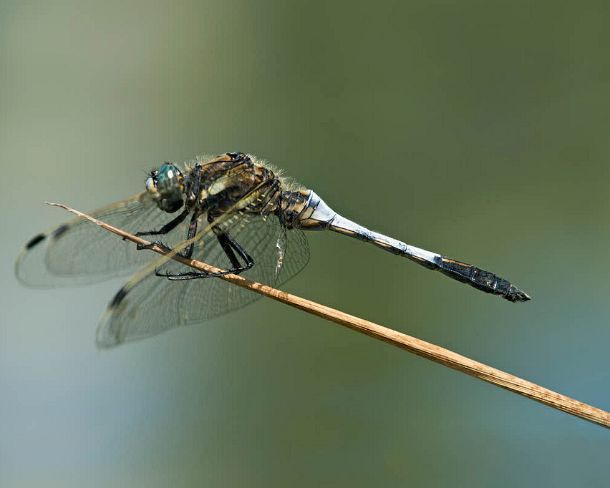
x,y
230,247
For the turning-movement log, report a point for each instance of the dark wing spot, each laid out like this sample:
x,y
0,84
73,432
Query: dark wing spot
x,y
60,230
35,240
118,298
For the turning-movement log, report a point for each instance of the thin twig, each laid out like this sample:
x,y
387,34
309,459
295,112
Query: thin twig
x,y
412,344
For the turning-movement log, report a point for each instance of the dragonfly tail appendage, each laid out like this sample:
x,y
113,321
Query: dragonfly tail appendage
x,y
481,279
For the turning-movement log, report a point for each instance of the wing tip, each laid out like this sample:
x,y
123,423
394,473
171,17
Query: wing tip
x,y
117,298
34,241
22,263
109,333
105,335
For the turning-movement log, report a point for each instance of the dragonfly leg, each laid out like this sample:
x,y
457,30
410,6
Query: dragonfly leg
x,y
230,246
171,225
188,253
190,234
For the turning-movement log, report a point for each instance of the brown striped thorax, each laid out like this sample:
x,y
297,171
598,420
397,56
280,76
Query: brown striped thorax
x,y
237,182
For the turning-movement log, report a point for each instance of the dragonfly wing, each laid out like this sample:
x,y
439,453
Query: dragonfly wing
x,y
296,251
78,252
278,254
152,304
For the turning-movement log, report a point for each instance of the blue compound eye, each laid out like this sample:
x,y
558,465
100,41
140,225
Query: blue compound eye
x,y
166,185
168,175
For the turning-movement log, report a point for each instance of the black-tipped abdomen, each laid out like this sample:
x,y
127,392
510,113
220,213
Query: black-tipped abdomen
x,y
481,279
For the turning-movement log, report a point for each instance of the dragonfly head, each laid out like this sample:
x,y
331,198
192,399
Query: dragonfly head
x,y
166,186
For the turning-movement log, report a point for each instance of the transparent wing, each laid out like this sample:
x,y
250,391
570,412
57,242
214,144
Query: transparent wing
x,y
156,304
77,252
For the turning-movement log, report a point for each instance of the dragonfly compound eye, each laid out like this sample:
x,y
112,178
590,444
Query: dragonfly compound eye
x,y
167,187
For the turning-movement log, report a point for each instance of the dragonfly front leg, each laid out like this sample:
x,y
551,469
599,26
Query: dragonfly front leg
x,y
166,229
190,234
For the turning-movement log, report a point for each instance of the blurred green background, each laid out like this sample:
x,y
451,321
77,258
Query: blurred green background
x,y
477,129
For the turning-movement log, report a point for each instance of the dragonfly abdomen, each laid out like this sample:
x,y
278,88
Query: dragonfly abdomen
x,y
306,210
466,273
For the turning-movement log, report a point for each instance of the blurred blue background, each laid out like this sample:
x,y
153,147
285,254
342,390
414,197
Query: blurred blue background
x,y
476,129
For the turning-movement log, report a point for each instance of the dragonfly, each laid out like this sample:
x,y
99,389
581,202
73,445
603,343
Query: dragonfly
x,y
233,211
